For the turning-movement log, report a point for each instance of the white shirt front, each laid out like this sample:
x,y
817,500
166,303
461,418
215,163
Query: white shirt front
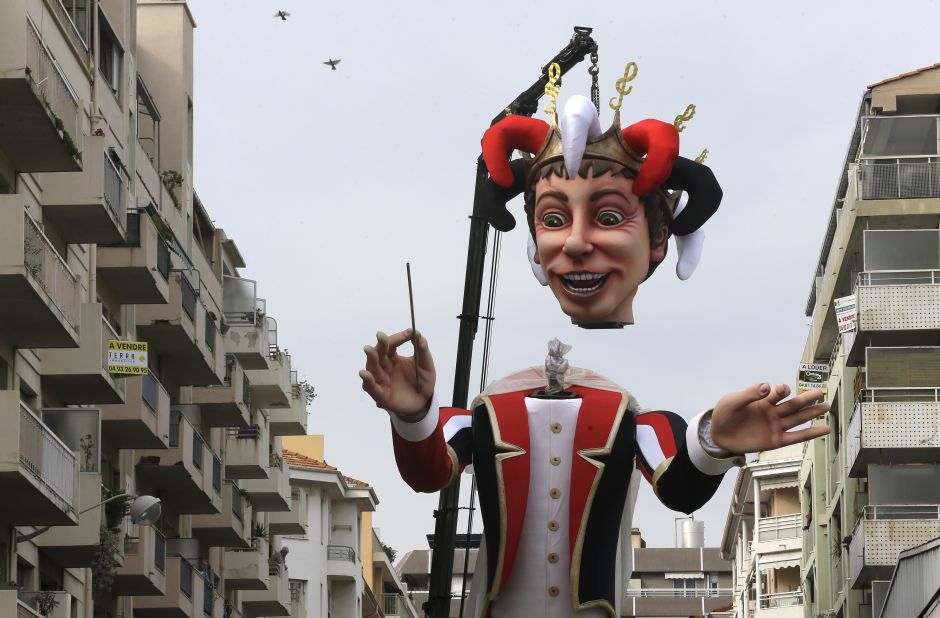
x,y
540,584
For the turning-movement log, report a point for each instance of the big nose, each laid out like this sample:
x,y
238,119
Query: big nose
x,y
578,244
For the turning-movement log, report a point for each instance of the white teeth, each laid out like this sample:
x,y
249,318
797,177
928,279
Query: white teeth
x,y
582,276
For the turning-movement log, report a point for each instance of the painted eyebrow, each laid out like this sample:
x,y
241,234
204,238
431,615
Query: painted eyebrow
x,y
556,194
599,194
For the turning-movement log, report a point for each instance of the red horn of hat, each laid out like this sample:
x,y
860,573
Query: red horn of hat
x,y
659,142
511,133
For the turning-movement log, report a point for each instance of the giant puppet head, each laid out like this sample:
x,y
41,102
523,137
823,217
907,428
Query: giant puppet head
x,y
600,205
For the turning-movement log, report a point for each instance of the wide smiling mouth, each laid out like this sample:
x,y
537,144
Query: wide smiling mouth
x,y
583,283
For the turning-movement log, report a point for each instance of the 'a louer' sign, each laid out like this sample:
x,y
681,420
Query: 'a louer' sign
x,y
127,357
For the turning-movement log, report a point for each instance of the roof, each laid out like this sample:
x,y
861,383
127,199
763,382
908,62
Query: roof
x,y
296,460
903,75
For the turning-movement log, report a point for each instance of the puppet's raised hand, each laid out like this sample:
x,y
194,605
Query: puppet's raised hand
x,y
756,420
390,379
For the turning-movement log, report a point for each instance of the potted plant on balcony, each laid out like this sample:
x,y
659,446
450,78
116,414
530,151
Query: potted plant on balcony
x,y
259,531
46,602
106,559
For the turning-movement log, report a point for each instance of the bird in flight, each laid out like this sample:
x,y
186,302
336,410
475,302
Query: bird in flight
x,y
333,63
283,15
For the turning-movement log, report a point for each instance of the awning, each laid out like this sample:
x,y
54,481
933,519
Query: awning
x,y
685,576
780,560
778,483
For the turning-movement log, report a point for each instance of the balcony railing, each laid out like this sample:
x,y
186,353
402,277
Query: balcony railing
x,y
900,395
159,552
114,190
898,179
899,277
25,611
51,272
679,593
149,391
53,86
163,258
901,511
237,504
216,474
46,457
781,599
186,578
246,432
198,450
391,604
107,334
188,296
778,527
340,552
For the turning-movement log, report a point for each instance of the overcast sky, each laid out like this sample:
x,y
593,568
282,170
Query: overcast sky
x,y
329,181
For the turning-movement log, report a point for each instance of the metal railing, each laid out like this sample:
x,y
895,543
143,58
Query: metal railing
x,y
391,604
340,552
216,474
679,593
898,179
901,511
25,611
50,271
208,596
149,392
50,81
159,550
46,457
781,599
871,278
188,296
778,527
237,502
913,394
245,432
163,258
210,331
198,450
186,578
114,191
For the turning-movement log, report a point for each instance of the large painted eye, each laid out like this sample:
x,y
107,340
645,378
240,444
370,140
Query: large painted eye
x,y
553,219
609,218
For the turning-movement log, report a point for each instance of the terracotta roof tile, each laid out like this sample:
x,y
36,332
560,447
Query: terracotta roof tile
x,y
903,75
296,460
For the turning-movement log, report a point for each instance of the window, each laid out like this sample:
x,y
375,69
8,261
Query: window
x,y
110,56
77,11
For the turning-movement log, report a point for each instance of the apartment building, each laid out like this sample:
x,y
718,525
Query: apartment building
x,y
338,565
414,568
105,244
871,489
762,536
682,581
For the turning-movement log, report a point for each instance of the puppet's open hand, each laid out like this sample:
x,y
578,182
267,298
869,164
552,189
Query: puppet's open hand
x,y
390,379
756,420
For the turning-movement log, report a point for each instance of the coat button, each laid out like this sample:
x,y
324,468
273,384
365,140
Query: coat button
x,y
556,460
553,591
553,557
553,526
555,493
556,427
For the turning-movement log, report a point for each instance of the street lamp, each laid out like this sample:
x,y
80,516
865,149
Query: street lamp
x,y
145,510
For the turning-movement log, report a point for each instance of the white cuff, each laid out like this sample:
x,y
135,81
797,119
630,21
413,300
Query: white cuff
x,y
418,430
706,461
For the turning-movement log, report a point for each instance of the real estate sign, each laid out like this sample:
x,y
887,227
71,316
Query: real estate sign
x,y
846,313
127,357
812,375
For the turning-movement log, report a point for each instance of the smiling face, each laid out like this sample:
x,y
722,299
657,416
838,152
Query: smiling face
x,y
593,244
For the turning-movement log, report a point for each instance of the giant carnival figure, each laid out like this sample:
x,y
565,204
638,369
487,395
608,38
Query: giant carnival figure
x,y
557,451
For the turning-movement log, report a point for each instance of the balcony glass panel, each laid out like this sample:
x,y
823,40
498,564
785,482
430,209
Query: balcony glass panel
x,y
80,430
899,136
188,297
902,367
163,258
216,474
239,297
237,502
198,447
186,579
911,484
899,250
149,392
159,553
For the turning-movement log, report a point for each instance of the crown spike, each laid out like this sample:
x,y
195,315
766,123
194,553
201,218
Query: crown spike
x,y
629,74
552,88
701,158
684,117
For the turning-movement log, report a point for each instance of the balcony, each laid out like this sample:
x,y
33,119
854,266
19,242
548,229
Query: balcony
x,y
36,467
71,546
778,533
293,522
781,605
275,600
80,375
271,387
184,593
271,493
883,531
89,206
248,334
898,179
39,294
225,405
40,113
144,570
247,452
247,569
341,563
183,333
231,527
672,602
184,475
137,271
143,421
292,421
894,426
28,605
